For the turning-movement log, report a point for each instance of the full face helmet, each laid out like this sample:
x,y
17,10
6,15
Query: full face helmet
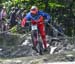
x,y
34,10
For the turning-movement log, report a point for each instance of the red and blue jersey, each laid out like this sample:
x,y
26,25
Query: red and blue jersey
x,y
36,17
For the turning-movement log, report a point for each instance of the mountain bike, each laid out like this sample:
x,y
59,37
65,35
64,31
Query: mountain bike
x,y
39,45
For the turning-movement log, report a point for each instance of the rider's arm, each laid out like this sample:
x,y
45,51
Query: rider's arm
x,y
23,22
46,16
26,18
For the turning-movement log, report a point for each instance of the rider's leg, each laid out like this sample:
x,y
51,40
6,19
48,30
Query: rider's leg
x,y
43,34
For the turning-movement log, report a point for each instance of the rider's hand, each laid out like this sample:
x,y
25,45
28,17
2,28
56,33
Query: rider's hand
x,y
47,21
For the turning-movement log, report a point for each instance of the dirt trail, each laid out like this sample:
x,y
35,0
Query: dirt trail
x,y
44,59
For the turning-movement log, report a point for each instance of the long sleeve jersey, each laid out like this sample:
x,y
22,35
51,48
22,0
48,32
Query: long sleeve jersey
x,y
30,17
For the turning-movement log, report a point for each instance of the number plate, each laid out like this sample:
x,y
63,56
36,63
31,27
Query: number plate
x,y
34,27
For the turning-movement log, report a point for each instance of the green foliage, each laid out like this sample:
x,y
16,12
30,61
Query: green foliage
x,y
62,10
54,5
14,29
18,29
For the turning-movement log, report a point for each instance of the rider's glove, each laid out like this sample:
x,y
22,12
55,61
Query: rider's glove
x,y
47,21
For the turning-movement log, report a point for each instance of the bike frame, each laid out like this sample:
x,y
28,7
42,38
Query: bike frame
x,y
35,35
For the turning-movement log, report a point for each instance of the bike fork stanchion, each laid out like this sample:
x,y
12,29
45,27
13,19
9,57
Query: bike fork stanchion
x,y
34,40
37,44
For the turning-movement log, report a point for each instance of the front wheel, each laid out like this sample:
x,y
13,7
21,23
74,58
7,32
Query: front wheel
x,y
39,47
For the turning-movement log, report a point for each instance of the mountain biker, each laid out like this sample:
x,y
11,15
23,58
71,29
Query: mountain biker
x,y
37,17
